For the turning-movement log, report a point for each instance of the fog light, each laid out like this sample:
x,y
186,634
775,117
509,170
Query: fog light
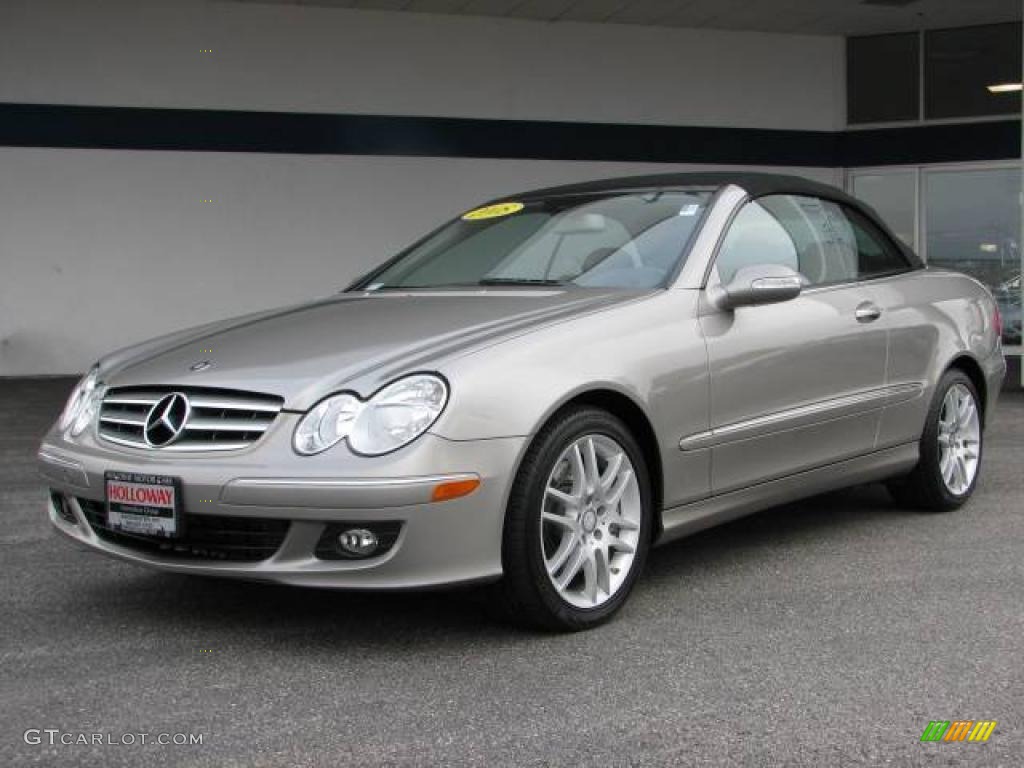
x,y
63,507
358,541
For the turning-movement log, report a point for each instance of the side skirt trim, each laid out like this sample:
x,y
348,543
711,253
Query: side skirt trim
x,y
687,519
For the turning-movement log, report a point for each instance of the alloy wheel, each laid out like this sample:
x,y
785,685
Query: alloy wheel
x,y
590,521
959,439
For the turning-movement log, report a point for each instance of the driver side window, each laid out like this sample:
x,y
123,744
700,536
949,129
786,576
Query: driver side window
x,y
755,237
825,242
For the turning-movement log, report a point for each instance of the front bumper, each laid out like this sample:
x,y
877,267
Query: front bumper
x,y
438,543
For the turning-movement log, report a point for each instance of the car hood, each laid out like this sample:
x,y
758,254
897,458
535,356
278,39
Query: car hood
x,y
353,340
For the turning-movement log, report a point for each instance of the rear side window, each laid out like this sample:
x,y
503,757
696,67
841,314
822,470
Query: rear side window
x,y
876,254
827,243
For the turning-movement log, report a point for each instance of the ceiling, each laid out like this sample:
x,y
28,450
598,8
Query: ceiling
x,y
819,17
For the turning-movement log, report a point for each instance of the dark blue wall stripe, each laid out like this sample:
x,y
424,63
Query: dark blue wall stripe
x,y
47,125
947,143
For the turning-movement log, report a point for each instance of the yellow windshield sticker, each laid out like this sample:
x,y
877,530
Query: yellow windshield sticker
x,y
493,211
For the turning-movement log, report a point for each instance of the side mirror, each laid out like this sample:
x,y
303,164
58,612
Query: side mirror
x,y
759,284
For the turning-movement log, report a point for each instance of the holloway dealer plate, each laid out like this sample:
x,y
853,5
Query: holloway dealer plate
x,y
146,505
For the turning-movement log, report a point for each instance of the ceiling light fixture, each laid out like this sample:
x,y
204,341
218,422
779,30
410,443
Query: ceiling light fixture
x,y
1005,87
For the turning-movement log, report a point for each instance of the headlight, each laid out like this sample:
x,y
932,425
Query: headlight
x,y
328,423
80,399
393,417
90,407
398,414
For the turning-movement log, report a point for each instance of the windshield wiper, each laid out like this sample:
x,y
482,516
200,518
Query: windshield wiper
x,y
519,281
435,287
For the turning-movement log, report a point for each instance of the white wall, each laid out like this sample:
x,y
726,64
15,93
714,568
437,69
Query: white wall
x,y
101,248
315,59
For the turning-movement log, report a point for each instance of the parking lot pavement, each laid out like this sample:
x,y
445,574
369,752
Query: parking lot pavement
x,y
828,632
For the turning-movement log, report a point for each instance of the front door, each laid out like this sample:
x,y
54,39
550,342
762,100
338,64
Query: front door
x,y
801,383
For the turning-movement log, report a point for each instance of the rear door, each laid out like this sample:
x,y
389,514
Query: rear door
x,y
797,384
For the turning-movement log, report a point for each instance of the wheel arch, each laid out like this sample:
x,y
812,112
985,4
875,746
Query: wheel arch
x,y
973,370
639,423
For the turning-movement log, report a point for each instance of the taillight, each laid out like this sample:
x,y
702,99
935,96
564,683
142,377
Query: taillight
x,y
997,321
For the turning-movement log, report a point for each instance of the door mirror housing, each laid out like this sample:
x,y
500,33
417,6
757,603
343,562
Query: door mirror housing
x,y
759,284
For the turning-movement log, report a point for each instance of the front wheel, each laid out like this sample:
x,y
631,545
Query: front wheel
x,y
578,524
950,449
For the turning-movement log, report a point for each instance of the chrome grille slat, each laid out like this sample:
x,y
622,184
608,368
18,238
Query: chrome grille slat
x,y
140,399
225,425
180,446
219,420
140,422
185,445
241,404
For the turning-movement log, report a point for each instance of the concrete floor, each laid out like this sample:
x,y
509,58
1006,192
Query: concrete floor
x,y
822,633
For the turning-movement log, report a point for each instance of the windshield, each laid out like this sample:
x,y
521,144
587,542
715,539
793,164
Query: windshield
x,y
615,240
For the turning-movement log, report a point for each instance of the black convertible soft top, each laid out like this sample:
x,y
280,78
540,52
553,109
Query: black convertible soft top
x,y
755,184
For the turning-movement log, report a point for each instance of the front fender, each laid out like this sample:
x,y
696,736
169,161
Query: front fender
x,y
651,352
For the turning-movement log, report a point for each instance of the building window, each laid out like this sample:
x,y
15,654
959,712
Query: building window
x,y
973,225
882,78
966,72
960,65
893,195
966,218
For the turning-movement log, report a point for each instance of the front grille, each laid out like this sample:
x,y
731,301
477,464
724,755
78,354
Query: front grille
x,y
218,419
206,537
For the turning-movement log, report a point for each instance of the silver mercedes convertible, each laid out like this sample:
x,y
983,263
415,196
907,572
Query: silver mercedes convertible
x,y
536,393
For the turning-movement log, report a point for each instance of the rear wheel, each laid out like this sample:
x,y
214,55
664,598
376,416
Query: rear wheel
x,y
951,449
578,524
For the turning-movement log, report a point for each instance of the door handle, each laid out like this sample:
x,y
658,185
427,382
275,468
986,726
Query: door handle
x,y
867,312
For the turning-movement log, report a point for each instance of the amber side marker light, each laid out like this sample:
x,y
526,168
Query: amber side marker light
x,y
454,489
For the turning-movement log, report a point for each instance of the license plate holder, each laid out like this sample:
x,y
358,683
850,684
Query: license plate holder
x,y
143,505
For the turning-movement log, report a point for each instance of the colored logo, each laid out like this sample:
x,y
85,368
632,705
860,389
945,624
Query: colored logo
x,y
958,730
493,211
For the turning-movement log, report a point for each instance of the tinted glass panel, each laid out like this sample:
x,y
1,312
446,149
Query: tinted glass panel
x,y
876,254
882,78
614,241
960,64
973,225
822,240
755,237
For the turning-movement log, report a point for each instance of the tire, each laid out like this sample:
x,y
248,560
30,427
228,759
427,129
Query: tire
x,y
930,487
553,521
